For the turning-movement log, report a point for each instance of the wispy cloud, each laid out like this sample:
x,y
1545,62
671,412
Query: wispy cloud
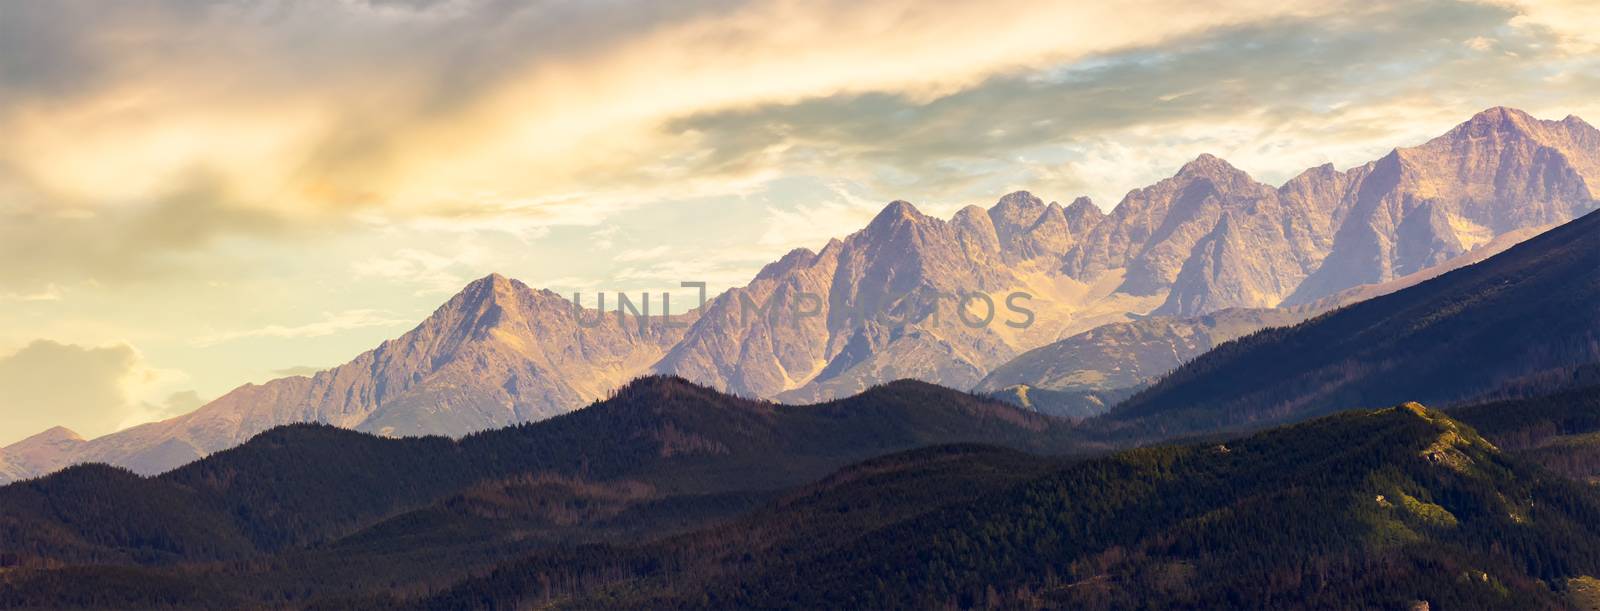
x,y
310,109
430,272
298,370
1274,97
330,324
50,292
635,255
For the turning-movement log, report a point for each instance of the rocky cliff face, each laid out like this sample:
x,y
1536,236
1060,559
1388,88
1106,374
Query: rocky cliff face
x,y
1208,238
875,307
1417,207
1212,238
1028,229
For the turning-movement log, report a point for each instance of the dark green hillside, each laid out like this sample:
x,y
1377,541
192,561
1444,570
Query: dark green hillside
x,y
101,514
313,484
1072,404
803,523
1363,509
1530,313
1560,431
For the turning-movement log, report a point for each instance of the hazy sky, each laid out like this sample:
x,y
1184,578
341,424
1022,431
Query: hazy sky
x,y
196,195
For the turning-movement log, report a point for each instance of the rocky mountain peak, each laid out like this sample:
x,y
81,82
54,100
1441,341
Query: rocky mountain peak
x,y
1018,203
43,452
1571,135
493,281
794,259
1501,122
1015,213
897,212
973,219
1205,177
1501,115
832,247
1082,212
490,289
483,303
55,436
59,433
968,212
1209,166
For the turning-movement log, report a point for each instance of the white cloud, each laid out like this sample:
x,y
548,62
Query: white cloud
x,y
330,324
430,272
554,115
91,390
634,255
50,292
1575,23
605,237
811,225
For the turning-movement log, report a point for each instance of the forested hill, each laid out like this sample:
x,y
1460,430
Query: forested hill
x,y
1381,508
303,484
1528,314
1370,509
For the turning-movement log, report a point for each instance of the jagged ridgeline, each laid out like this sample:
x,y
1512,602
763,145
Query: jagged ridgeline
x,y
1209,238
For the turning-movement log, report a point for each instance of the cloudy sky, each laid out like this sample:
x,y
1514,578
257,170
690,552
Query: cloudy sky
x,y
199,194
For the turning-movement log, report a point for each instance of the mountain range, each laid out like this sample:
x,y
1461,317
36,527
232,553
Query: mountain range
x,y
670,494
1206,240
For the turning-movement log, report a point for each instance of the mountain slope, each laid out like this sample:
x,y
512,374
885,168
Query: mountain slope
x,y
1531,311
1370,509
308,483
1560,432
1416,207
43,452
1210,224
1126,355
1084,375
879,305
495,354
